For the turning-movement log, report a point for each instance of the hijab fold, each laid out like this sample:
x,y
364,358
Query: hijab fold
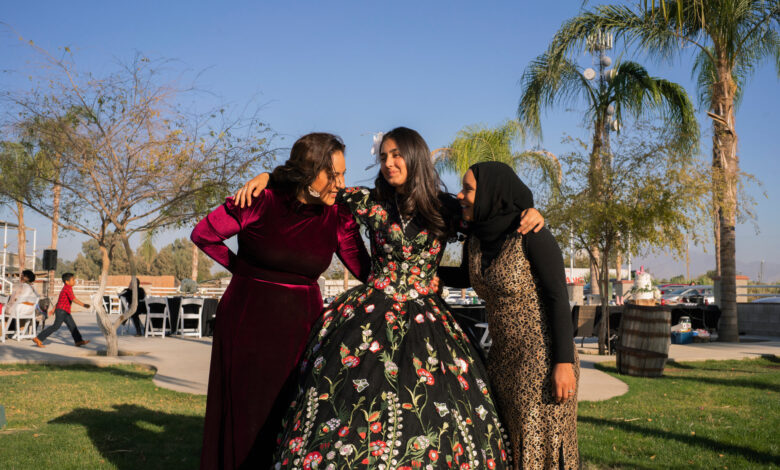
x,y
499,202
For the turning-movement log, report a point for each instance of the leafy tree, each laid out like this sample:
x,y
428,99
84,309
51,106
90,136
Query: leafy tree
x,y
43,133
176,259
731,38
649,190
136,157
17,171
146,254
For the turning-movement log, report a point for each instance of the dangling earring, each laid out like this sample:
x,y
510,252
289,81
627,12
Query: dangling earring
x,y
312,192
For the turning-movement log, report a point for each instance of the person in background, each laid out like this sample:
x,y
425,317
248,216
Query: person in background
x,y
62,313
127,294
22,293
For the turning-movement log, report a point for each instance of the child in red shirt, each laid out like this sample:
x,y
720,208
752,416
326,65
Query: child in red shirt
x,y
62,313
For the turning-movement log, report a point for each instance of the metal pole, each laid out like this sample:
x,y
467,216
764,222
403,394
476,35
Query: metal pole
x,y
5,251
629,256
35,239
571,254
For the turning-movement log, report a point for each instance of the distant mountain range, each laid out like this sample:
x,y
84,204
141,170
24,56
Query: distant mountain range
x,y
666,266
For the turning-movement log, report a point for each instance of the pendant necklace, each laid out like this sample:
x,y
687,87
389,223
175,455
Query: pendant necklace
x,y
404,222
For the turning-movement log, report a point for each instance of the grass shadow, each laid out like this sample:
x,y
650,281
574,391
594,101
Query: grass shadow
x,y
729,382
689,366
705,443
771,358
131,436
133,371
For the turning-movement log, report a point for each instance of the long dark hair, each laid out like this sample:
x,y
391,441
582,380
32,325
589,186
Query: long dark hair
x,y
422,189
308,157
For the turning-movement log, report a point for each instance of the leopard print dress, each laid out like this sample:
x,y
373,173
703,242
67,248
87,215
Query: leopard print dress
x,y
543,433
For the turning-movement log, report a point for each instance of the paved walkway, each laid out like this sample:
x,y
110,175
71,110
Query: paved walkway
x,y
596,385
182,364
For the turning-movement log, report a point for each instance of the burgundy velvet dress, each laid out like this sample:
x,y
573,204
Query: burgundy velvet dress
x,y
264,317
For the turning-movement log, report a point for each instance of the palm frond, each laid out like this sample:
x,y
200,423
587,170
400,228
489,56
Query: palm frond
x,y
546,161
480,144
546,83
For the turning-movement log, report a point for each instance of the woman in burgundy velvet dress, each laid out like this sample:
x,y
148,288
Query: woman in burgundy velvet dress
x,y
286,239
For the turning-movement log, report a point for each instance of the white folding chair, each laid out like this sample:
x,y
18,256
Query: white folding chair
x,y
196,316
157,307
3,302
22,312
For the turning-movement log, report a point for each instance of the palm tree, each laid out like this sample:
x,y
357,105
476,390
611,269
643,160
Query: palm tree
x,y
475,144
731,38
626,90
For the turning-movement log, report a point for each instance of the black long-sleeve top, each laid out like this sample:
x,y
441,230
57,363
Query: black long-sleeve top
x,y
546,260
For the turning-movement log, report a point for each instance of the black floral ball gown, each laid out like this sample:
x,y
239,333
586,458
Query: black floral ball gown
x,y
389,379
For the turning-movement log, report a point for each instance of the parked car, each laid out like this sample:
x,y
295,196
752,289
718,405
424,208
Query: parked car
x,y
668,288
767,300
689,295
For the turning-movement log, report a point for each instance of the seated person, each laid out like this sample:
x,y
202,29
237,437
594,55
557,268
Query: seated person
x,y
127,294
23,296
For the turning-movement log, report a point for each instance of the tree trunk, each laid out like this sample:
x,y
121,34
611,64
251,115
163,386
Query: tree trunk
x,y
133,276
103,321
604,325
600,138
22,237
726,170
55,229
346,279
595,284
194,262
618,265
716,227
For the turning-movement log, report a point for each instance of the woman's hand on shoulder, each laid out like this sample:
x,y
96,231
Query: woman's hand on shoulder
x,y
531,220
252,188
564,382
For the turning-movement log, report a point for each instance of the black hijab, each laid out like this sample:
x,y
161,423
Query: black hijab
x,y
500,199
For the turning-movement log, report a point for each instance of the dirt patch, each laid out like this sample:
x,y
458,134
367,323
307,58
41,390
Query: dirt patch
x,y
12,372
102,353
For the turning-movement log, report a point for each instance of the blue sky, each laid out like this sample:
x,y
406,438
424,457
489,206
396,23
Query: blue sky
x,y
357,67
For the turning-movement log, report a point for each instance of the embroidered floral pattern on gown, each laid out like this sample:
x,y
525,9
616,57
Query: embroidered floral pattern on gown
x,y
390,381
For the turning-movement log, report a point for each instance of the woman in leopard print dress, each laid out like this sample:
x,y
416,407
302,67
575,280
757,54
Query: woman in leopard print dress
x,y
532,363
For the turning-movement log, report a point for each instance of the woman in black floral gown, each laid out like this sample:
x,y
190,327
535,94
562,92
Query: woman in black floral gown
x,y
389,380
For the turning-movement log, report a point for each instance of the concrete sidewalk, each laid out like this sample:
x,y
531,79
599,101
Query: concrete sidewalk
x,y
596,385
182,364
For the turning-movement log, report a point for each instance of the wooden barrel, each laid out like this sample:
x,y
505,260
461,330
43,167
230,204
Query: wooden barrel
x,y
643,342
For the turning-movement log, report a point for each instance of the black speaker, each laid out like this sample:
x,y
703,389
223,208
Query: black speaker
x,y
49,260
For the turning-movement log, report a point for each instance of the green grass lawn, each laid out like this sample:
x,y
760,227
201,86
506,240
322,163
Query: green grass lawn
x,y
713,414
85,417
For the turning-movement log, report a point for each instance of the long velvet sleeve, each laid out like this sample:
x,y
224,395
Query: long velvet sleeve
x,y
351,249
546,261
222,223
456,276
